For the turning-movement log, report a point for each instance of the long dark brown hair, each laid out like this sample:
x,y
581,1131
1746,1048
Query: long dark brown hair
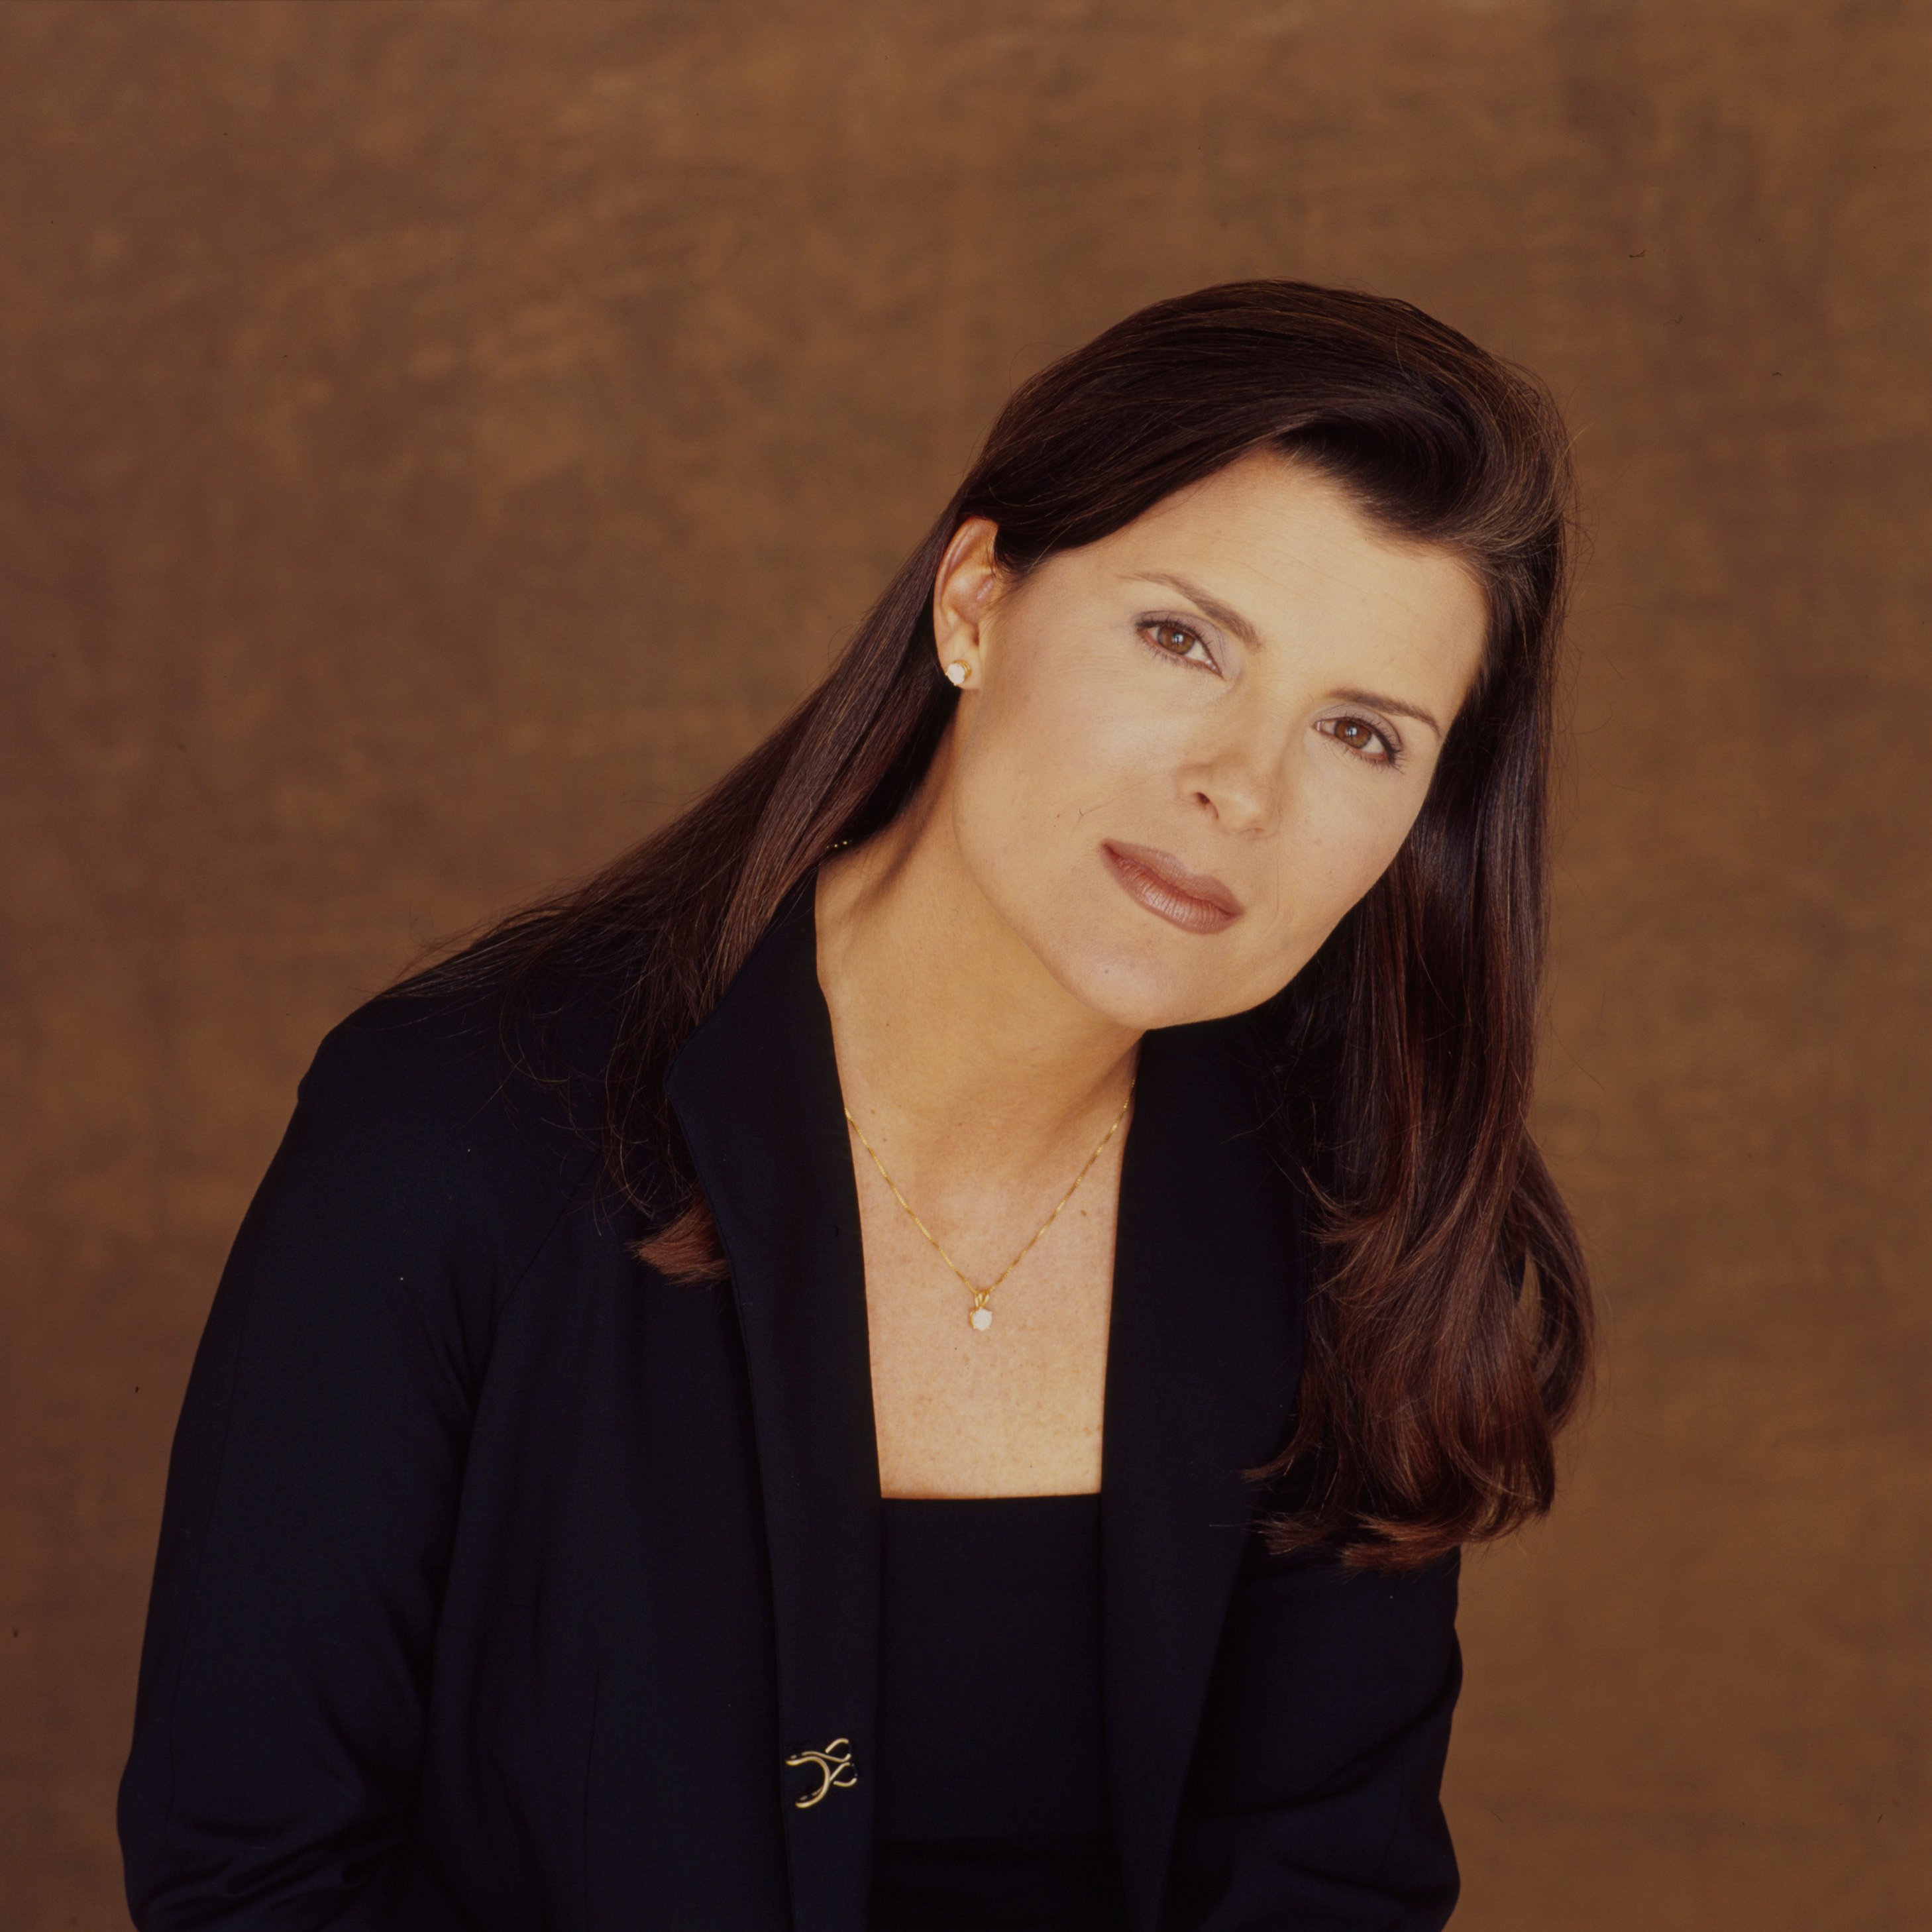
x,y
1449,1318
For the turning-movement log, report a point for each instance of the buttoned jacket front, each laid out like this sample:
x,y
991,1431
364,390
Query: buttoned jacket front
x,y
505,1584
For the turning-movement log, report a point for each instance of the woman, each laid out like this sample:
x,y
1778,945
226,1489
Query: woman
x,y
920,1351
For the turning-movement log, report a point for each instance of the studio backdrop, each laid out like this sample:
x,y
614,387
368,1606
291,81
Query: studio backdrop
x,y
435,440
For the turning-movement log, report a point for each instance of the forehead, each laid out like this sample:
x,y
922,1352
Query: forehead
x,y
1287,548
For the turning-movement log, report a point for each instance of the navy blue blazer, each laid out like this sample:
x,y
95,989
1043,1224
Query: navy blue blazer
x,y
502,1581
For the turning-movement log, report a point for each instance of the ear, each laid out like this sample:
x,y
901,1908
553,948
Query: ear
x,y
963,591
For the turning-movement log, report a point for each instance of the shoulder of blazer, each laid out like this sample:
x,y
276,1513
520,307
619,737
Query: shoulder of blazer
x,y
451,1115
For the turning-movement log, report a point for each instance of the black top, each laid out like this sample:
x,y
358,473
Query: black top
x,y
503,1582
992,1804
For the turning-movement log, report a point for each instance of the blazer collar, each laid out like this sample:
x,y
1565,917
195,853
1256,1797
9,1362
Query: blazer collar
x,y
1204,1353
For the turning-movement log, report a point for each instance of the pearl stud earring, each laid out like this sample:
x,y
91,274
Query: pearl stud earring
x,y
956,670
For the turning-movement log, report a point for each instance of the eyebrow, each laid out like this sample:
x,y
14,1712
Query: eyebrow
x,y
1232,619
1395,704
1229,620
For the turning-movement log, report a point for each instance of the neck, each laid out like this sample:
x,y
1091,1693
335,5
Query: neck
x,y
958,1050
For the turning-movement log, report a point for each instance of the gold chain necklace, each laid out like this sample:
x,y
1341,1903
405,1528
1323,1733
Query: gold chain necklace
x,y
982,1316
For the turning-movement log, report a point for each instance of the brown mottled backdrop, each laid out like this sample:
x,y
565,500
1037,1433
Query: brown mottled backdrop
x,y
435,439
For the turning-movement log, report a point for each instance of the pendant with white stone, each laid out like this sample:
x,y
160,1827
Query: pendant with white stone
x,y
982,1319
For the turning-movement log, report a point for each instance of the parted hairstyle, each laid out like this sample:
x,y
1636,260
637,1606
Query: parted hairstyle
x,y
1449,1320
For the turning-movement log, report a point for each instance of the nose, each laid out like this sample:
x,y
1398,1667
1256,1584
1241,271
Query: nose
x,y
1242,780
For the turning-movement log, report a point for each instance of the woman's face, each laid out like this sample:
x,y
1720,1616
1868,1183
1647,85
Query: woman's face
x,y
1184,751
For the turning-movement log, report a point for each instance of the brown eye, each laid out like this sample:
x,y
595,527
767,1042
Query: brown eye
x,y
1368,741
1178,642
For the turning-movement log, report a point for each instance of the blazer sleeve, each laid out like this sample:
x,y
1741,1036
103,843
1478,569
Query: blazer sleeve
x,y
1314,1800
309,1514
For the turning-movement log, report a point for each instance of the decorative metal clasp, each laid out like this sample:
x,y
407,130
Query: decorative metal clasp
x,y
835,1768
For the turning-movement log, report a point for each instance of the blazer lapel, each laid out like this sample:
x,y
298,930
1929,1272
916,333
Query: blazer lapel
x,y
756,1091
1203,1355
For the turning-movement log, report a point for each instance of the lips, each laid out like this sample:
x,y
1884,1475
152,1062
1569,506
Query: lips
x,y
1169,887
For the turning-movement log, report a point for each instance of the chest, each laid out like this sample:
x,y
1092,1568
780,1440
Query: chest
x,y
1015,1408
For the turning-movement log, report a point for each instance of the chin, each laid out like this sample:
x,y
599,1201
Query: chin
x,y
1137,986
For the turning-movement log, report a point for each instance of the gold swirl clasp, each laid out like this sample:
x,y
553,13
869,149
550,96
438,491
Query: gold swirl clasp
x,y
836,1768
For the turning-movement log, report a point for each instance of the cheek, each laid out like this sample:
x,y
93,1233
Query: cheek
x,y
1340,829
1346,838
1053,742
1344,856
